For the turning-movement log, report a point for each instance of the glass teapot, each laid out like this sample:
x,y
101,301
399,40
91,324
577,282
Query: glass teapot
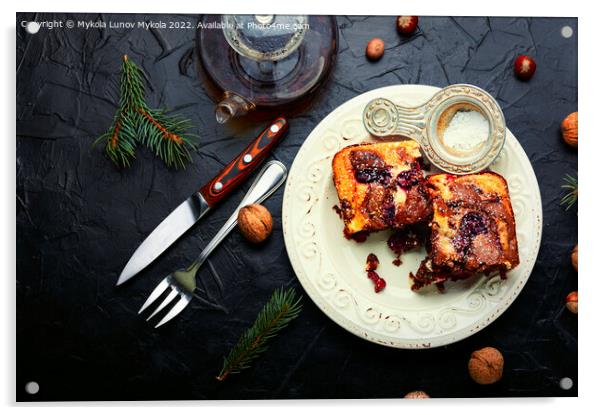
x,y
265,61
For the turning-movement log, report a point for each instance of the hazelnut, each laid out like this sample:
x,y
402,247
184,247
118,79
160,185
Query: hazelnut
x,y
255,223
574,258
486,366
417,395
524,67
406,25
571,302
375,49
569,128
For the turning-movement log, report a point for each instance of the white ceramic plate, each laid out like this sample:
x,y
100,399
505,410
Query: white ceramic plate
x,y
331,268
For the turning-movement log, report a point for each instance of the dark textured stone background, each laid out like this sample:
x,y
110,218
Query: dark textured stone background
x,y
79,219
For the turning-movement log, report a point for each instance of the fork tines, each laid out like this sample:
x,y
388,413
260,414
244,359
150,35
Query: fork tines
x,y
168,283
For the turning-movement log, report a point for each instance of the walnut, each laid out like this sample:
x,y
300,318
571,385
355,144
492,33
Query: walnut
x,y
255,223
417,395
574,259
486,366
569,128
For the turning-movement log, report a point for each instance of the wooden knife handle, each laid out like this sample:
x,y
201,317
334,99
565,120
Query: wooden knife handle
x,y
243,165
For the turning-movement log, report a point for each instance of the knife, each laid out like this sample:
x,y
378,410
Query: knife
x,y
206,198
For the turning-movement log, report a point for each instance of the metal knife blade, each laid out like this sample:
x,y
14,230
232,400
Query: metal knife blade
x,y
166,233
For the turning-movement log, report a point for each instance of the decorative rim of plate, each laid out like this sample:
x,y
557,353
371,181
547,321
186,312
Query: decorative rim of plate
x,y
527,260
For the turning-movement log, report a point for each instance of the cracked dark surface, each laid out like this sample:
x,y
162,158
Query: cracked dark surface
x,y
79,219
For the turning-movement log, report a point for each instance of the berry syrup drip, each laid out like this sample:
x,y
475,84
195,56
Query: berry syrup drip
x,y
338,211
358,237
471,225
403,241
379,283
368,167
372,262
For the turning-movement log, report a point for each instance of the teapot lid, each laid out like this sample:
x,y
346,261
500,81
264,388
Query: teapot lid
x,y
264,37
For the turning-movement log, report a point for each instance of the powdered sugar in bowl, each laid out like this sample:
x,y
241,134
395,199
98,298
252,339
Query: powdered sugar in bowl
x,y
461,129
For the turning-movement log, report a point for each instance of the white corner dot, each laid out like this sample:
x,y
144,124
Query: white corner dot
x,y
566,32
32,388
32,27
274,128
566,383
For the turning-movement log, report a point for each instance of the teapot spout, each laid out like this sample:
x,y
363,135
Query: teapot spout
x,y
232,106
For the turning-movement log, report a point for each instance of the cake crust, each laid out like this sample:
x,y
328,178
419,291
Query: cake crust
x,y
380,186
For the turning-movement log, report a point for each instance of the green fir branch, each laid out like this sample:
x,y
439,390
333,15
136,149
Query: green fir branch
x,y
166,136
280,310
120,140
136,123
570,198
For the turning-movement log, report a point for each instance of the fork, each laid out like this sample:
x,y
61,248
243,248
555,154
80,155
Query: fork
x,y
182,282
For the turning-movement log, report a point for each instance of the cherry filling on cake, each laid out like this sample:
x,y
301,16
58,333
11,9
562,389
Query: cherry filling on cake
x,y
370,175
380,201
368,167
409,178
471,225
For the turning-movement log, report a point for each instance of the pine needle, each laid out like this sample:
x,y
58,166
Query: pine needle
x,y
280,310
136,123
570,198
